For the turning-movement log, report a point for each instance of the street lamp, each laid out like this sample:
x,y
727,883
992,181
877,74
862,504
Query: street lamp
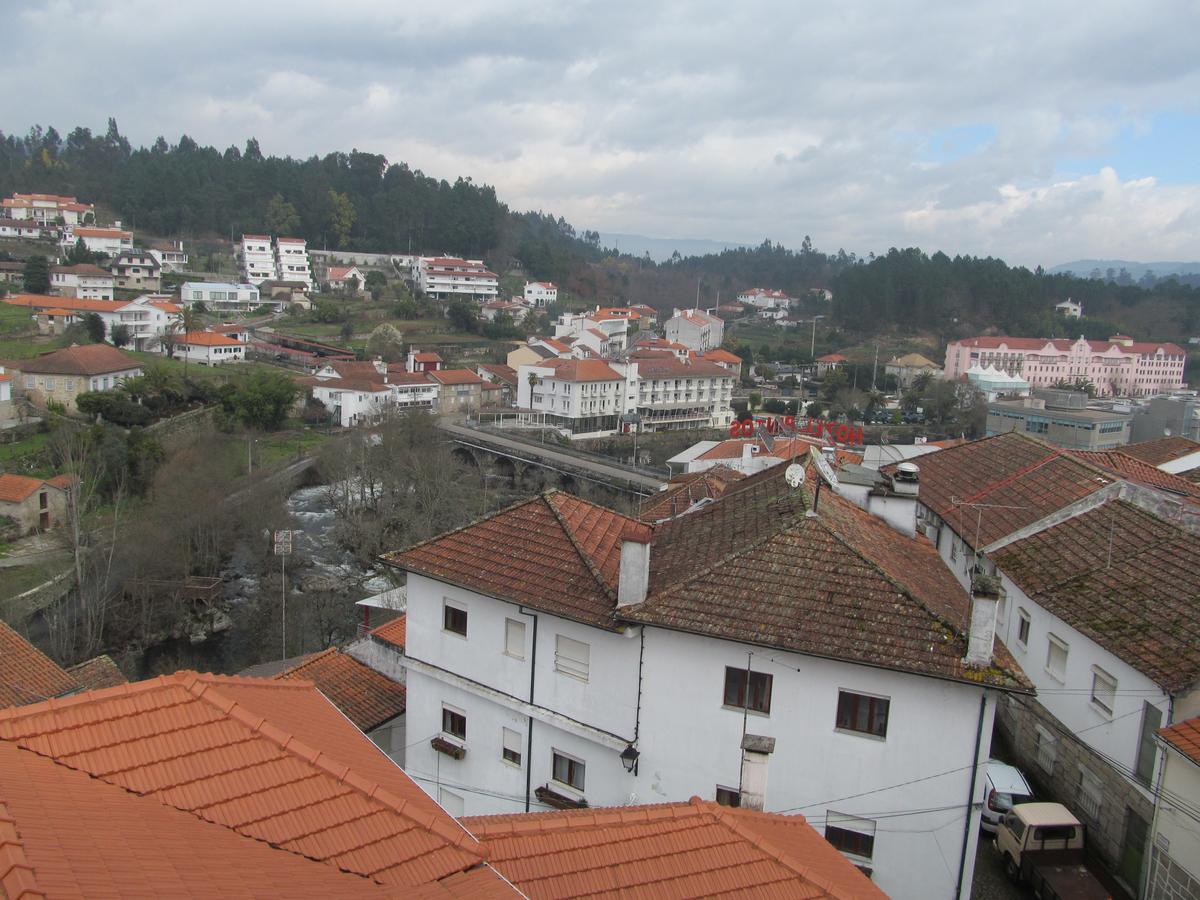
x,y
629,759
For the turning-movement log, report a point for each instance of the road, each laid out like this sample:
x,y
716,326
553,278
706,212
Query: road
x,y
990,882
608,473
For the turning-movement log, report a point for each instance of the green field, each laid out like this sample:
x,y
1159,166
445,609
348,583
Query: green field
x,y
25,456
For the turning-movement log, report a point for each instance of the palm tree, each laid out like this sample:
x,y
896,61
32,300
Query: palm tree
x,y
188,321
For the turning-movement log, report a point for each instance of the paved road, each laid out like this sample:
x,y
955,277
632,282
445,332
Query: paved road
x,y
607,472
990,881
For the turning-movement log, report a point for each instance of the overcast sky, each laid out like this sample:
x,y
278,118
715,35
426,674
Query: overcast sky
x,y
1040,132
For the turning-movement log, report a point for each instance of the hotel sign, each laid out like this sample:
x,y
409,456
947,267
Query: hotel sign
x,y
787,425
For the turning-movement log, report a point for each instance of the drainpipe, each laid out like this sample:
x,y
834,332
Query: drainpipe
x,y
962,862
529,727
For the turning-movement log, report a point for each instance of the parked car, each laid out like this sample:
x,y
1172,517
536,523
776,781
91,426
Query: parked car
x,y
1042,845
1004,787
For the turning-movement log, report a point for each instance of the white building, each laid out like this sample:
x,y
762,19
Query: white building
x,y
449,277
677,394
602,332
763,298
291,261
356,393
562,655
258,259
29,229
206,347
1175,838
541,293
137,270
47,209
109,241
170,255
515,311
219,296
85,281
696,329
1069,308
148,318
342,277
1097,574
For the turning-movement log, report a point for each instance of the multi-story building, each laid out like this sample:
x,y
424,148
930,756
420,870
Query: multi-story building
x,y
449,277
258,259
564,656
541,293
291,261
29,229
219,296
109,241
1175,839
47,209
85,281
1061,417
62,375
170,255
1119,366
675,394
1069,308
137,270
146,318
583,396
596,332
763,298
695,328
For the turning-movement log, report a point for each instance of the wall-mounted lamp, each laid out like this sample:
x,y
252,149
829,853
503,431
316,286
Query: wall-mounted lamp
x,y
629,759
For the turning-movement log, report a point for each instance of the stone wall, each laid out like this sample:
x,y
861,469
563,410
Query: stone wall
x,y
1169,880
1018,720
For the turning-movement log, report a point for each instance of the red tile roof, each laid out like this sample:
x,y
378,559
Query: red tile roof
x,y
556,344
1122,577
1162,450
989,488
721,355
428,356
97,672
74,304
392,632
554,552
90,359
27,675
751,566
81,269
269,760
17,488
368,698
673,367
1123,465
582,370
207,339
1064,344
455,376
103,232
668,850
502,373
832,357
65,834
1183,736
684,491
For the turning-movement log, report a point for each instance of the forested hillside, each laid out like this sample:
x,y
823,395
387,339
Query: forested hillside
x,y
362,201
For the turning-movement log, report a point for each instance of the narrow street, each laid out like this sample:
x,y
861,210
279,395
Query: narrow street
x,y
990,881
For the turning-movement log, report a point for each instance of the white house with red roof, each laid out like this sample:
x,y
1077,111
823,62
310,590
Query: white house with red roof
x,y
339,277
539,294
85,281
765,298
760,650
1119,366
695,328
206,347
602,332
109,241
448,277
47,209
496,308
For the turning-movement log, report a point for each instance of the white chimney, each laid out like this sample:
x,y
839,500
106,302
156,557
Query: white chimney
x,y
981,636
634,578
907,480
748,451
756,753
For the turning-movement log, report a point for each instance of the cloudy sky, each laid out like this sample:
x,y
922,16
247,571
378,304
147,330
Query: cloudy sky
x,y
1036,131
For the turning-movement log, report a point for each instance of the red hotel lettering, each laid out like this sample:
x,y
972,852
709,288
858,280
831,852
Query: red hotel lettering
x,y
843,434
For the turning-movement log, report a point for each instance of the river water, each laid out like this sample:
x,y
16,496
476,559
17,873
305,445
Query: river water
x,y
317,563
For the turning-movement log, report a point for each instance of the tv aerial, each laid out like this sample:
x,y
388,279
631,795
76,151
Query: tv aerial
x,y
794,475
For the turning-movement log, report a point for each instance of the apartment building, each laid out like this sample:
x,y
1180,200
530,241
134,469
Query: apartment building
x,y
450,277
84,281
109,241
258,259
137,270
291,261
696,329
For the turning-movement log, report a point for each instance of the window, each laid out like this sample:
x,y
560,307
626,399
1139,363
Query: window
x,y
1104,690
1056,657
568,770
728,796
1089,794
1022,627
511,746
1044,749
749,690
850,834
1151,722
862,713
454,722
454,619
514,638
571,657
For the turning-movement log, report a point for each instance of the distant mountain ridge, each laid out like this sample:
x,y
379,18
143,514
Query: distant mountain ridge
x,y
1084,267
660,249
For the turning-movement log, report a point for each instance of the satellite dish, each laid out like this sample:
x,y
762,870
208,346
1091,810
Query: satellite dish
x,y
794,475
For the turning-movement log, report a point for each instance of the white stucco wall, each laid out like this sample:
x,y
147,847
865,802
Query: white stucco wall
x,y
1175,828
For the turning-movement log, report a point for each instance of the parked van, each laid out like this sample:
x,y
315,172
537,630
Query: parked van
x,y
1004,787
1042,845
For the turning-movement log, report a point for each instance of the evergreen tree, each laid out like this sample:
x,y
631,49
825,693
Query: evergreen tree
x,y
37,275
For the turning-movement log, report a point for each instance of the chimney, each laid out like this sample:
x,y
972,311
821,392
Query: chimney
x,y
907,480
981,637
380,365
748,450
756,753
410,362
634,578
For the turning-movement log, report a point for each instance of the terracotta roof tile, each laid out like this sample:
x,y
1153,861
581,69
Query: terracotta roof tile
x,y
684,491
393,632
90,359
455,376
1162,450
368,698
27,675
207,339
1123,465
668,850
1019,478
16,488
1122,577
1183,736
97,672
268,760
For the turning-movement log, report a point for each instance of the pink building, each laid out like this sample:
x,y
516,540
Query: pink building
x,y
1119,366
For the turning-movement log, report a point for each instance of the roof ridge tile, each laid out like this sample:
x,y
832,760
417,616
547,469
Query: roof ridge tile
x,y
584,555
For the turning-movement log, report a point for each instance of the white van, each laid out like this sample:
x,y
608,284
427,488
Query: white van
x,y
1004,786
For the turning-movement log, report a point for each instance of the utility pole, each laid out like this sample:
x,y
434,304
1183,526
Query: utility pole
x,y
283,547
874,368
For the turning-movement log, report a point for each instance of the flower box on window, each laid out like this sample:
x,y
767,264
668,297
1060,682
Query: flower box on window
x,y
441,745
557,800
